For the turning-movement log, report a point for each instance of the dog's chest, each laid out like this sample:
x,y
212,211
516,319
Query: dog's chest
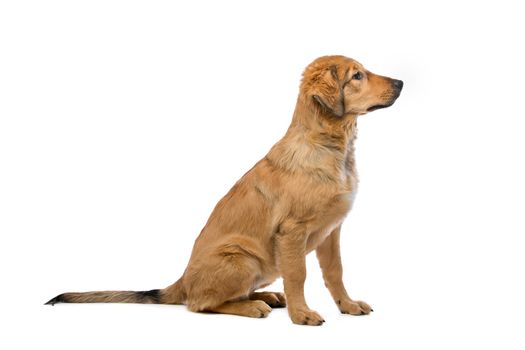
x,y
329,217
321,189
330,212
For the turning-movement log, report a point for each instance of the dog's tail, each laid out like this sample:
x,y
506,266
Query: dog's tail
x,y
174,294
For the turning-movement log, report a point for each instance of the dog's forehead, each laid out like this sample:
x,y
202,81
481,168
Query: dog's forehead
x,y
342,64
353,65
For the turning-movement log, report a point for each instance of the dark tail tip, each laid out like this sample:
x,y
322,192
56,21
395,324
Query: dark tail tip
x,y
152,296
58,299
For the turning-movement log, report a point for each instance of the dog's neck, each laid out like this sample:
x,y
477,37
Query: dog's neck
x,y
328,130
317,142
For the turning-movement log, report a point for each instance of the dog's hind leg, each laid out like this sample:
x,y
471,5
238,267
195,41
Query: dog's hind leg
x,y
223,280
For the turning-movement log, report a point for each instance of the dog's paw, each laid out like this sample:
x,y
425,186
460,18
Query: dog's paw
x,y
256,309
274,299
281,300
306,317
354,307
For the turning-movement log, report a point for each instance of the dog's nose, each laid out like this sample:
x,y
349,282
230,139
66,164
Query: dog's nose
x,y
398,84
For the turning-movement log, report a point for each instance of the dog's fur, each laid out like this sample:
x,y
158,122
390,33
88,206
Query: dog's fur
x,y
293,201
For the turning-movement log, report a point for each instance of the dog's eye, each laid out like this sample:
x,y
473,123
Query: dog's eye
x,y
357,76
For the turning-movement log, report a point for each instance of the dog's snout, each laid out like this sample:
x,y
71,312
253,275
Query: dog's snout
x,y
398,84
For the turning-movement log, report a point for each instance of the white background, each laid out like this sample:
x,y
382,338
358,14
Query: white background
x,y
122,123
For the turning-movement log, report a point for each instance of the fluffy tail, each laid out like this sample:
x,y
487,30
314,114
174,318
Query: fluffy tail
x,y
174,294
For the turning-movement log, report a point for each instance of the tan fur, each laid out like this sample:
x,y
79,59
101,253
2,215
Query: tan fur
x,y
290,203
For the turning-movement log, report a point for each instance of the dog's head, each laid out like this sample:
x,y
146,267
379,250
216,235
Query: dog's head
x,y
339,86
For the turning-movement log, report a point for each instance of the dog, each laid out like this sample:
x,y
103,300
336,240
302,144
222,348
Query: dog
x,y
293,201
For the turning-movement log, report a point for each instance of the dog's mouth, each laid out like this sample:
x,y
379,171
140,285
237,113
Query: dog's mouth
x,y
391,98
373,108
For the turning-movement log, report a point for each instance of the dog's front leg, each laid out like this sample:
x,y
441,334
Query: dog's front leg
x,y
291,249
329,257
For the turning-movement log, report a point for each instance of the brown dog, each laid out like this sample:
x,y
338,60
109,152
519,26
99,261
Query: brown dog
x,y
291,202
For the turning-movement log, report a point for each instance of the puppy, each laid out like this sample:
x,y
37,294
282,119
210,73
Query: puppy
x,y
293,201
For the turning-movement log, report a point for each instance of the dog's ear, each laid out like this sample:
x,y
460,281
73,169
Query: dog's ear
x,y
329,93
